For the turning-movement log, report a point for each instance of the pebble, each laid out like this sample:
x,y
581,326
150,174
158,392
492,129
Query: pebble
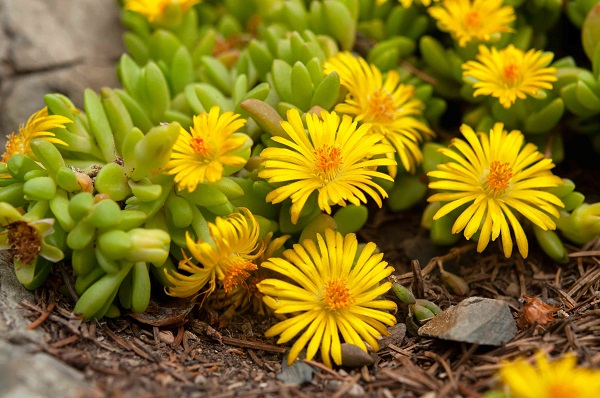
x,y
474,320
166,336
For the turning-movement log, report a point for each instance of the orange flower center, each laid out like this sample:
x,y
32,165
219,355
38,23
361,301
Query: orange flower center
x,y
337,295
199,146
499,176
14,145
236,274
381,105
511,73
472,20
563,390
328,160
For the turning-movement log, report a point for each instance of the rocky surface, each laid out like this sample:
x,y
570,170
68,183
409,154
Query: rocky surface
x,y
26,371
46,46
474,320
54,46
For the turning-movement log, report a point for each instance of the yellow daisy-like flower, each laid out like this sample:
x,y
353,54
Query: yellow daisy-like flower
x,y
468,20
388,106
331,296
200,155
497,176
510,73
560,378
334,158
37,126
154,9
408,3
229,258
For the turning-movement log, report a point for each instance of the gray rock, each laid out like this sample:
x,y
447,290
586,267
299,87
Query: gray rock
x,y
25,373
24,95
50,33
12,293
474,320
36,46
54,46
297,374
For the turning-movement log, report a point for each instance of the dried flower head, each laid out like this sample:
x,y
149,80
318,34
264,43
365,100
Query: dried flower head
x,y
26,239
535,312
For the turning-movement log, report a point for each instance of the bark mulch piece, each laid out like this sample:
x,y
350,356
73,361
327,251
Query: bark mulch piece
x,y
132,357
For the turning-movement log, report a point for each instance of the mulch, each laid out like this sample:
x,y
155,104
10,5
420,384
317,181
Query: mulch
x,y
180,351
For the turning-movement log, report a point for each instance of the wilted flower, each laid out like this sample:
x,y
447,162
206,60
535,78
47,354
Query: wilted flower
x,y
535,312
26,239
229,258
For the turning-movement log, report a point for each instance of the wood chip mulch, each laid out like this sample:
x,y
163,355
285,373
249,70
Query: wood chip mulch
x,y
190,357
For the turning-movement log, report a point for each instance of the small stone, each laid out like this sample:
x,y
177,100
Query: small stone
x,y
357,391
200,379
397,333
354,357
295,375
333,385
166,336
474,320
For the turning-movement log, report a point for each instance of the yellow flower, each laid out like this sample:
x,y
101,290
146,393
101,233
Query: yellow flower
x,y
388,106
200,155
560,378
335,159
154,9
510,73
497,176
468,20
37,126
229,258
408,3
331,296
